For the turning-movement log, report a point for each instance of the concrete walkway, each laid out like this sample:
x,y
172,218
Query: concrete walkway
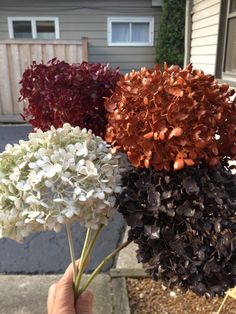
x,y
27,294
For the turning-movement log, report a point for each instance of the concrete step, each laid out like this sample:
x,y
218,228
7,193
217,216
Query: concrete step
x,y
28,294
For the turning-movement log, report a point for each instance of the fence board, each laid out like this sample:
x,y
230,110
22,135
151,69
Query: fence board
x,y
15,75
71,53
60,52
36,53
48,52
17,55
5,84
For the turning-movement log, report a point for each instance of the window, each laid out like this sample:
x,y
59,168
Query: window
x,y
230,44
130,31
34,27
226,58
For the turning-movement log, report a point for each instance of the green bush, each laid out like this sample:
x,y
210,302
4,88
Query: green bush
x,y
170,40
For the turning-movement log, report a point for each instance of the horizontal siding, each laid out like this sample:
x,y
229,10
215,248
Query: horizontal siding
x,y
212,20
203,41
116,58
207,59
205,27
207,68
77,4
89,19
204,50
205,31
208,12
203,5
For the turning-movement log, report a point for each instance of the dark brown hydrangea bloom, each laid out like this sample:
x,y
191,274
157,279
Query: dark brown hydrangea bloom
x,y
175,117
184,223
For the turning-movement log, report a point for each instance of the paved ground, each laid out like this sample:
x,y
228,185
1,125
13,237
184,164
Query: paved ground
x,y
28,294
48,252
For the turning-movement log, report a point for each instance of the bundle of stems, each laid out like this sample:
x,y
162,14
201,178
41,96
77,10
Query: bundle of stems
x,y
89,242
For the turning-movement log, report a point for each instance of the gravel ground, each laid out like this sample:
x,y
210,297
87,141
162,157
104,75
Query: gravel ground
x,y
149,297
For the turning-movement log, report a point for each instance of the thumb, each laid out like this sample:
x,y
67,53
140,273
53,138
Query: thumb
x,y
84,305
64,290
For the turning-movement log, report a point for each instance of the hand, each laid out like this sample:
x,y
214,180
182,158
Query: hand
x,y
61,298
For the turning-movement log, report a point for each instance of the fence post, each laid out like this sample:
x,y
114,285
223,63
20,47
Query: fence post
x,y
85,49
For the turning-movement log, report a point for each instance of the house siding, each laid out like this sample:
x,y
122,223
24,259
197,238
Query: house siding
x,y
89,19
205,28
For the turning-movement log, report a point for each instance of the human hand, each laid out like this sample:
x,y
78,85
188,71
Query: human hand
x,y
61,298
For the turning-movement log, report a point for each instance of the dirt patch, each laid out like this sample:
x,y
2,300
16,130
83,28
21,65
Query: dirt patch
x,y
149,297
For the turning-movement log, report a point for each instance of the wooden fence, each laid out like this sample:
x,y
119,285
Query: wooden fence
x,y
17,55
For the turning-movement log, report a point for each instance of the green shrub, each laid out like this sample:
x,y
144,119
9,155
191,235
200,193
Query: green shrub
x,y
170,40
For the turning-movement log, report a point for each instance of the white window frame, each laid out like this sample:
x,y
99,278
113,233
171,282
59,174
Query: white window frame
x,y
227,75
130,19
33,20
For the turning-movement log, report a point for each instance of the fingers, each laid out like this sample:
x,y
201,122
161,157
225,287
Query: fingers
x,y
84,304
68,275
61,295
65,292
51,298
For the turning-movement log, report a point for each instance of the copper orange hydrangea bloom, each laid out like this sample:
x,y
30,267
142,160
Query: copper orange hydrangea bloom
x,y
174,117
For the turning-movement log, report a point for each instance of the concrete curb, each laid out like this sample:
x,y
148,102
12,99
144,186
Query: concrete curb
x,y
120,296
126,266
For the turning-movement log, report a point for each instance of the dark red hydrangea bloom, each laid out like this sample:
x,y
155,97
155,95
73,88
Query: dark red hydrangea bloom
x,y
172,118
184,224
59,92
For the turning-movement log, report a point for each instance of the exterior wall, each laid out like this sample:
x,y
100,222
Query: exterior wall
x,y
89,18
204,36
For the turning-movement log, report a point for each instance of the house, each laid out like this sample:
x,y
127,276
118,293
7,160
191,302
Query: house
x,y
210,41
121,33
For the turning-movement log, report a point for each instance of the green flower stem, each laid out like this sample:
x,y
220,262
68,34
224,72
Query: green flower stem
x,y
72,250
100,266
85,246
82,260
88,246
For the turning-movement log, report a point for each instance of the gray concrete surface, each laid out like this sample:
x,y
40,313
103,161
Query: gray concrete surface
x,y
28,294
127,257
12,134
48,252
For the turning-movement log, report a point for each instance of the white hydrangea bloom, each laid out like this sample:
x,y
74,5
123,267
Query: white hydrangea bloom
x,y
55,177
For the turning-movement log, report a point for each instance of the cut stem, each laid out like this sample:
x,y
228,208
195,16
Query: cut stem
x,y
87,249
100,266
81,264
72,250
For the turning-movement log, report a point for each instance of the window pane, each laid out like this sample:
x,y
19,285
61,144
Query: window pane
x,y
45,29
120,32
230,59
22,29
140,32
232,6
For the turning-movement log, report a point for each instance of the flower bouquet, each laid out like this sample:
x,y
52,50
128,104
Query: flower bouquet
x,y
177,128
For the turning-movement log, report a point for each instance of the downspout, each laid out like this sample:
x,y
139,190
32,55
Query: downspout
x,y
188,31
